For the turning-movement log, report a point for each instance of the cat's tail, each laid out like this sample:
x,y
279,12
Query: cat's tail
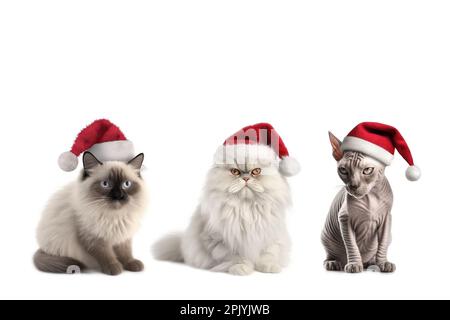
x,y
169,248
54,264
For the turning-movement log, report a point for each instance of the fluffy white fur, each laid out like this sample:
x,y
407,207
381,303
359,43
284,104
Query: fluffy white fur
x,y
70,209
237,228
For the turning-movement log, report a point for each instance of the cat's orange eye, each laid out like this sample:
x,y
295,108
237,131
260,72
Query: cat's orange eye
x,y
368,171
235,172
256,172
343,171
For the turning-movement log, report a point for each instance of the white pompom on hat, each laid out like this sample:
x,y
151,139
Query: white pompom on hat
x,y
68,161
103,139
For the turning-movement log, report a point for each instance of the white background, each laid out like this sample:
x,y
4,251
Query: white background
x,y
181,76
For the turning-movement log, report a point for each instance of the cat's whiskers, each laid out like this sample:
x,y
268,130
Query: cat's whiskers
x,y
96,201
255,186
135,205
237,186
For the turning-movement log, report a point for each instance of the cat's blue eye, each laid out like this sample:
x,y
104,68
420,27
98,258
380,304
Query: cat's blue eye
x,y
343,171
127,184
105,184
368,171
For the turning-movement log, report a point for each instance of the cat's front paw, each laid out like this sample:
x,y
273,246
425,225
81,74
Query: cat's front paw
x,y
269,267
387,267
354,268
332,265
240,269
134,266
112,269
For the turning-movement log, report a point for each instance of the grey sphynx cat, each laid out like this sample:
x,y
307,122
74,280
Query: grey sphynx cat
x,y
357,232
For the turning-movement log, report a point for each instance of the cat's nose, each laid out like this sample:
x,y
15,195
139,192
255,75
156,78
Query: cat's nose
x,y
246,179
353,186
118,195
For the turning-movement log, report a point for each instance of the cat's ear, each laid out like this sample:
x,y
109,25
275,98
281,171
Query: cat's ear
x,y
137,161
90,161
336,145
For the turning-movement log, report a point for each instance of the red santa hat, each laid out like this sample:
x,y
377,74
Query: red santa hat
x,y
104,140
262,143
380,141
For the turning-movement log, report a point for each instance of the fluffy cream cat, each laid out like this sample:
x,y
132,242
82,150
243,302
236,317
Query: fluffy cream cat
x,y
239,225
90,223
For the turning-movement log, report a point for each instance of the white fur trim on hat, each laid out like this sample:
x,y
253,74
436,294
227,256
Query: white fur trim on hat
x,y
122,150
244,153
368,148
289,167
67,161
413,173
255,154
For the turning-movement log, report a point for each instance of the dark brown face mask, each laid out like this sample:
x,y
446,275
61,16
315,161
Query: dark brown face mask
x,y
116,188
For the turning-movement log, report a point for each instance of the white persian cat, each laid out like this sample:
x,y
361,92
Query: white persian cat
x,y
239,226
